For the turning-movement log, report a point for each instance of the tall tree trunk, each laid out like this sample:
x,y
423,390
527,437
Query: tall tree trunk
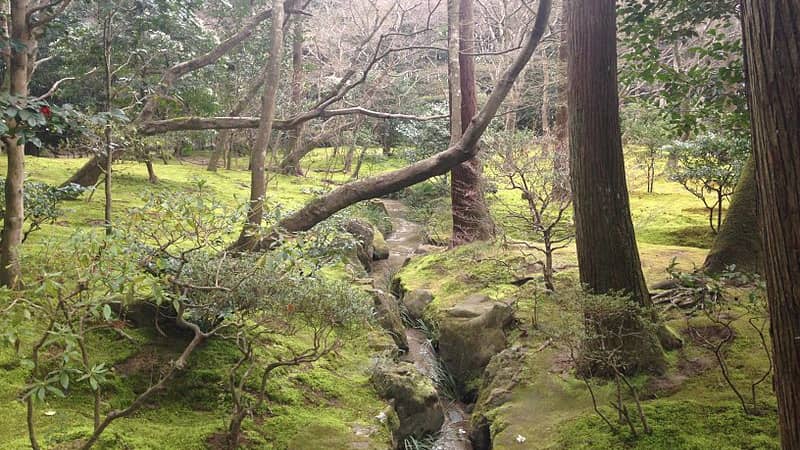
x,y
258,180
471,219
10,269
295,141
109,145
772,53
608,256
545,111
561,161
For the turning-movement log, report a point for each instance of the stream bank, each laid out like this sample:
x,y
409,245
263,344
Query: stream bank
x,y
403,243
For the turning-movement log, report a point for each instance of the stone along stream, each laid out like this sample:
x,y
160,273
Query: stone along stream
x,y
403,243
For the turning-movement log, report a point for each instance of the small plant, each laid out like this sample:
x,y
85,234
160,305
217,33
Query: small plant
x,y
541,177
646,128
42,203
705,295
709,167
595,331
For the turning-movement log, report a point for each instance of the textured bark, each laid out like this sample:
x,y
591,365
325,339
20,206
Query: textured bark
x,y
608,257
325,206
10,269
258,180
772,49
295,141
471,219
738,241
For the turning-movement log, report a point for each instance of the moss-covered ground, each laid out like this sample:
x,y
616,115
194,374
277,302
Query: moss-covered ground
x,y
331,406
328,405
690,407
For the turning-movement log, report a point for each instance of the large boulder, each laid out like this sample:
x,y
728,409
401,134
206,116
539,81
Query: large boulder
x,y
470,334
387,311
415,399
364,234
416,301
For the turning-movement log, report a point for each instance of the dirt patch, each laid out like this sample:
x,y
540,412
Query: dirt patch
x,y
710,335
148,362
671,383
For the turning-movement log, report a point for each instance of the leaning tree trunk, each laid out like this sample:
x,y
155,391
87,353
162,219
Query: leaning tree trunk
x,y
471,219
738,241
10,269
772,50
608,256
258,180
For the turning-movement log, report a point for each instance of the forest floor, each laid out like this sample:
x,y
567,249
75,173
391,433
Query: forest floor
x,y
332,406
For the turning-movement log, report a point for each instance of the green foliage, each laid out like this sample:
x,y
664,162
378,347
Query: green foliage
x,y
709,167
686,61
41,202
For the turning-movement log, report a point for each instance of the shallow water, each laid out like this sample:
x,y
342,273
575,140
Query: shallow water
x,y
404,240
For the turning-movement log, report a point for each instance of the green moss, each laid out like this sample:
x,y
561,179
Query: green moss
x,y
679,425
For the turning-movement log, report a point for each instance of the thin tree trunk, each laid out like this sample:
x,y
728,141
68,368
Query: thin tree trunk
x,y
471,219
561,161
107,35
296,134
10,269
545,112
152,178
772,53
258,181
608,256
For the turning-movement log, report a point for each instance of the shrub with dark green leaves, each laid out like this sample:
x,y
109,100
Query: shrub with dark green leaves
x,y
42,202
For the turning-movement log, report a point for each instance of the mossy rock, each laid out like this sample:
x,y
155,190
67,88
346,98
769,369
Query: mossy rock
x,y
387,311
416,301
471,333
416,401
380,249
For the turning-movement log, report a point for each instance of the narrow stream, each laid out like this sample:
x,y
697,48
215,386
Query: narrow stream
x,y
403,242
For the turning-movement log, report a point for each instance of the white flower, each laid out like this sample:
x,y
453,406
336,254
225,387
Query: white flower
x,y
381,417
521,439
462,431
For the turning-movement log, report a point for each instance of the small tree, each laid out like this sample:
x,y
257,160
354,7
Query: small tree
x,y
709,167
542,180
645,128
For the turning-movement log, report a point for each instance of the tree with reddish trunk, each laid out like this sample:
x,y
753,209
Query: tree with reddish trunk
x,y
471,219
772,54
608,256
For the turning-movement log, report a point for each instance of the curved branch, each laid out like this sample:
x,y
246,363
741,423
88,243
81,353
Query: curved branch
x,y
439,164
